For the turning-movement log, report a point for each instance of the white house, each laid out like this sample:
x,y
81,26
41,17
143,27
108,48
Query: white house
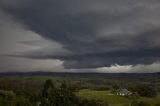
x,y
124,92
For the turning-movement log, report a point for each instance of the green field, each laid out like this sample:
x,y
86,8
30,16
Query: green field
x,y
113,100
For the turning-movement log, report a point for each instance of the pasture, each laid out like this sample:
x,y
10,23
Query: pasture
x,y
111,99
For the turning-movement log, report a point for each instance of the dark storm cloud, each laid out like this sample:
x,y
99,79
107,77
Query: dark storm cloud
x,y
95,60
96,33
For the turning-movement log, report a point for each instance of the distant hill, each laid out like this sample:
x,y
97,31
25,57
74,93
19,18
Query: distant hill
x,y
88,75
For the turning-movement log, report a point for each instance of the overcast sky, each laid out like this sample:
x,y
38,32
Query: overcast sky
x,y
80,35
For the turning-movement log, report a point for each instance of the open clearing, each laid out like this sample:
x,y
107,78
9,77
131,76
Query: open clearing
x,y
113,100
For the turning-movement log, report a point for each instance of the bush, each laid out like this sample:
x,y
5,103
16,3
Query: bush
x,y
92,102
157,104
8,95
136,103
8,98
134,95
126,105
21,101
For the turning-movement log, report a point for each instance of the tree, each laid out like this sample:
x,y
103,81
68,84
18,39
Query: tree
x,y
65,96
144,90
46,93
57,96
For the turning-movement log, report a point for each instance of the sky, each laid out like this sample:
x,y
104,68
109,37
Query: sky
x,y
108,36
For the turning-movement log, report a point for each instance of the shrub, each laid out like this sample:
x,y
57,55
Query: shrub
x,y
157,104
92,102
141,103
126,105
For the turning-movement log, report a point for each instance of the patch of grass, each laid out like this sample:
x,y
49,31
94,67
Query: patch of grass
x,y
112,100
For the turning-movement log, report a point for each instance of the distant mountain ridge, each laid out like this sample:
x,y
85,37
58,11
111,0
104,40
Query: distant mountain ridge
x,y
84,74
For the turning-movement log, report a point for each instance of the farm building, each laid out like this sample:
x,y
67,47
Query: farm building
x,y
124,92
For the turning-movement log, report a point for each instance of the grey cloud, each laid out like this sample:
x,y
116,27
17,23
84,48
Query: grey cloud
x,y
96,33
17,39
106,59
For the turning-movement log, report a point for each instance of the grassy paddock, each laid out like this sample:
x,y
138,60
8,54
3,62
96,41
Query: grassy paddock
x,y
111,99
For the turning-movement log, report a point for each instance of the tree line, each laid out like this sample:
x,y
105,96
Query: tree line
x,y
64,95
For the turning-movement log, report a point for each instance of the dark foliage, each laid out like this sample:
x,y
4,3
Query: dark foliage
x,y
63,96
136,103
144,90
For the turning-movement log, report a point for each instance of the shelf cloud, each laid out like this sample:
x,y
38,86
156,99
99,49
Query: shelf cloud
x,y
89,34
